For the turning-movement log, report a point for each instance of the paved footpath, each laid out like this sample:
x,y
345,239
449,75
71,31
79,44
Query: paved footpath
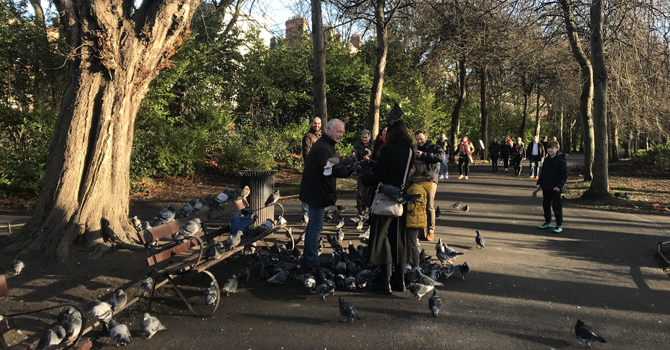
x,y
526,291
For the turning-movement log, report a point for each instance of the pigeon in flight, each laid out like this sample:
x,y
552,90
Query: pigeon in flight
x,y
347,311
479,240
147,283
465,208
456,205
435,303
119,333
102,312
272,199
230,286
165,215
586,335
211,295
419,289
151,325
118,300
18,266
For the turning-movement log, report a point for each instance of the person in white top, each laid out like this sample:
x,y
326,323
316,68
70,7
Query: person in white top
x,y
535,154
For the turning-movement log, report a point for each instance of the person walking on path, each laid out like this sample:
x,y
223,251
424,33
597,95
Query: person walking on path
x,y
545,141
445,144
388,241
433,156
494,151
518,154
363,149
319,190
552,179
465,150
308,141
535,153
506,151
419,184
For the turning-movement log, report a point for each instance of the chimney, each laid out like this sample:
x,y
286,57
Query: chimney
x,y
295,27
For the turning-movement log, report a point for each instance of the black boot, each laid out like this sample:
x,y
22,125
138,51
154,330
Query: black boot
x,y
384,286
399,281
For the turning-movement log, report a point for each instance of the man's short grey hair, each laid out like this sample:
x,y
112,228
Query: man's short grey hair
x,y
366,132
332,122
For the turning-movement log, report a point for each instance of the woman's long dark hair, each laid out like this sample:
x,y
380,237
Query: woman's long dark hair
x,y
398,132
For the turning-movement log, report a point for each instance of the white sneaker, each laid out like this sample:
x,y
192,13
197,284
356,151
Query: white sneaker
x,y
441,177
446,176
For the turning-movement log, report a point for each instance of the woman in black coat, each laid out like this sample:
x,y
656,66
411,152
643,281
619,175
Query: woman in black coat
x,y
505,151
494,151
387,234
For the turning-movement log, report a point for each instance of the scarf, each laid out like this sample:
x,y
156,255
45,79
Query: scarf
x,y
464,148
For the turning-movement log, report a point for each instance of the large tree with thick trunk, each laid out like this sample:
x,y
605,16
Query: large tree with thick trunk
x,y
319,76
118,50
586,99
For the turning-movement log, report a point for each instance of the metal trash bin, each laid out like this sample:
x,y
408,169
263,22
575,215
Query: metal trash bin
x,y
262,184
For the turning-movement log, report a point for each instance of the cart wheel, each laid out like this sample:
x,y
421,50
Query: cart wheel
x,y
191,287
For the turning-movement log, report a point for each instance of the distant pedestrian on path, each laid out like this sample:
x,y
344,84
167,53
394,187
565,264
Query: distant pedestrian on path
x,y
308,141
363,149
319,190
545,142
518,154
433,156
445,144
494,152
535,153
506,151
465,150
552,179
419,184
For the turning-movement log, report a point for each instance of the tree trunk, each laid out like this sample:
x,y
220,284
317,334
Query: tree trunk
x,y
319,77
586,99
537,113
380,69
628,146
571,140
456,113
560,129
85,193
600,185
524,118
614,145
484,111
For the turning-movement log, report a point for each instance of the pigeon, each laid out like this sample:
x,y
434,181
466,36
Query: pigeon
x,y
187,208
394,115
211,295
279,278
151,325
272,199
423,279
451,253
118,300
441,251
165,215
359,226
366,234
223,197
464,269
437,212
48,338
340,235
102,312
63,315
214,250
479,240
586,335
197,204
396,193
244,193
339,281
310,282
419,289
266,225
435,303
328,287
465,208
188,230
147,225
18,266
350,282
137,224
347,311
456,205
60,332
448,271
245,274
230,286
72,324
119,333
233,240
147,283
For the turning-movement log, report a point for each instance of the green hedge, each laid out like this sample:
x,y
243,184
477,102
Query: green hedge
x,y
658,156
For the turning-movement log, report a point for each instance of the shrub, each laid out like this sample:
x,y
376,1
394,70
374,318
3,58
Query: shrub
x,y
658,156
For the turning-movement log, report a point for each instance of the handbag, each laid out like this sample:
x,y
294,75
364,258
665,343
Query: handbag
x,y
382,205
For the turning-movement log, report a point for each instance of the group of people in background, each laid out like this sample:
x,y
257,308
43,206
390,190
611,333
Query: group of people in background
x,y
415,165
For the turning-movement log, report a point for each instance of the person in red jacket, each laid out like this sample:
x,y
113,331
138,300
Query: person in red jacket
x,y
465,150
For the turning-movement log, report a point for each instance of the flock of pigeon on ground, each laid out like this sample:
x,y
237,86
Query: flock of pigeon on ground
x,y
348,269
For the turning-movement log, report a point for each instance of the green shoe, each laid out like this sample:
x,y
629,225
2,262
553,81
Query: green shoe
x,y
559,229
548,225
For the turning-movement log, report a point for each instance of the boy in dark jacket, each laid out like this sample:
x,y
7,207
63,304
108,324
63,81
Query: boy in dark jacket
x,y
552,179
535,153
